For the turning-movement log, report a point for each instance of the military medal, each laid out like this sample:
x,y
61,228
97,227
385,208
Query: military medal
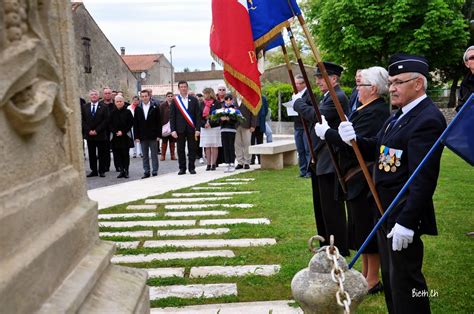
x,y
393,169
386,168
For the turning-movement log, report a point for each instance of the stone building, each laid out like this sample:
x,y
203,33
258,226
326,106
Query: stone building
x,y
279,73
198,80
149,69
98,63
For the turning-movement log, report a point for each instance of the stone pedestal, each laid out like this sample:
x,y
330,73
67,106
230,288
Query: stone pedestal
x,y
51,259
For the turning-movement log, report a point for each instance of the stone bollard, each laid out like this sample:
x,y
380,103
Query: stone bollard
x,y
315,289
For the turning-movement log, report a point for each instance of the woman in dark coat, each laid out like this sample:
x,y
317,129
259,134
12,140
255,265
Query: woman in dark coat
x,y
121,122
367,120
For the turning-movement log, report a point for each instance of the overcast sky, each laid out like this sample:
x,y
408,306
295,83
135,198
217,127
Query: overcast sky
x,y
152,26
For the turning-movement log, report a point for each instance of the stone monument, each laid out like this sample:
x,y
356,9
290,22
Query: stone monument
x,y
51,259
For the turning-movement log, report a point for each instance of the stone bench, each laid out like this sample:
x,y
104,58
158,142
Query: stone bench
x,y
276,155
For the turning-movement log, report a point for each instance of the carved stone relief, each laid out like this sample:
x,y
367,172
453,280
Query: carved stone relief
x,y
29,80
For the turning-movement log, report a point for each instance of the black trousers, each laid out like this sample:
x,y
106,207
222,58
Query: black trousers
x,y
97,150
181,142
334,212
228,140
318,213
122,158
257,138
404,284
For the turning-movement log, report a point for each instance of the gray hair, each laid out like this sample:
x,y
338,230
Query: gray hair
x,y
93,91
465,53
425,80
299,77
119,97
376,76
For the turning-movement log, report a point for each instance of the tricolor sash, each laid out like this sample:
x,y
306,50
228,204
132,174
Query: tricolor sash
x,y
184,111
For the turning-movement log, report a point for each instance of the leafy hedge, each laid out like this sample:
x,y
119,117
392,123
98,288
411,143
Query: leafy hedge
x,y
270,90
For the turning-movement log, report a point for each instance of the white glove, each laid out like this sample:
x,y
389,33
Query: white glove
x,y
321,128
401,237
295,97
347,132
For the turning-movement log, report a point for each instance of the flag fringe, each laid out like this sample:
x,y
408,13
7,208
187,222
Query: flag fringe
x,y
244,80
271,34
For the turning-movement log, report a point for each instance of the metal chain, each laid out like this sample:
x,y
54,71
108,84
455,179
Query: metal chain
x,y
337,275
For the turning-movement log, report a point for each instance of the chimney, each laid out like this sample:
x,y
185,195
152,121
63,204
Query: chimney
x,y
122,51
213,66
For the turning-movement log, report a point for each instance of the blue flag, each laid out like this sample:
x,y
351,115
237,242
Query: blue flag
x,y
277,42
268,17
460,136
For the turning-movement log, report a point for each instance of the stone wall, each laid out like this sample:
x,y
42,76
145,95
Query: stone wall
x,y
106,65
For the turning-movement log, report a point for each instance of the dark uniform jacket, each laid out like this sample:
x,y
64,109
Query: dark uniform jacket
x,y
178,122
414,134
98,122
149,128
367,122
121,120
465,90
323,164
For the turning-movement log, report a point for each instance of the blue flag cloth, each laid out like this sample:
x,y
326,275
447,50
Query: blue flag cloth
x,y
460,136
277,42
268,17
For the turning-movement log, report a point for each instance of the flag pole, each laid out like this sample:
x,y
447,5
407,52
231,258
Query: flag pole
x,y
332,154
407,184
340,112
305,126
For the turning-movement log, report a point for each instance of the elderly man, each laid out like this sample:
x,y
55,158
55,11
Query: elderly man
x,y
401,144
467,84
333,214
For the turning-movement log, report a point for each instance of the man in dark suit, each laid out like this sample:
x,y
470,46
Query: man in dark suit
x,y
332,208
108,102
147,129
185,116
400,146
94,127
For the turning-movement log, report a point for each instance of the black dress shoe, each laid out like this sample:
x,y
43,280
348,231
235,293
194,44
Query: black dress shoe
x,y
146,175
246,166
102,175
192,171
208,167
121,175
92,174
154,174
181,172
239,166
125,174
376,289
213,167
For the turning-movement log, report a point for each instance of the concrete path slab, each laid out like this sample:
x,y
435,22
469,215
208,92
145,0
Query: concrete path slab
x,y
130,234
139,189
191,232
227,183
185,200
198,213
260,307
240,179
253,221
165,272
133,207
210,243
234,271
145,258
196,206
112,216
191,194
208,188
150,223
193,291
127,245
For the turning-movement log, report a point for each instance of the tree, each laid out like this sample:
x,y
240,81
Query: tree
x,y
363,33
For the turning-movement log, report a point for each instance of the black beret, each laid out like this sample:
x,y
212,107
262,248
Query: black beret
x,y
403,63
331,68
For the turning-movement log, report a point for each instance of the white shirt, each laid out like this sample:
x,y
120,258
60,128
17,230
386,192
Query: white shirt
x,y
94,105
411,105
146,108
185,101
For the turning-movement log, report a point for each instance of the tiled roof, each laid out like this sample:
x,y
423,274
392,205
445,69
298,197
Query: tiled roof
x,y
141,62
199,75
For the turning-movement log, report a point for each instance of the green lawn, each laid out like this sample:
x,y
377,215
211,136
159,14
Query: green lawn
x,y
286,200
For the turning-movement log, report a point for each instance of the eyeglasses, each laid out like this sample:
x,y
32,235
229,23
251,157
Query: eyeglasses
x,y
222,89
471,58
398,83
360,85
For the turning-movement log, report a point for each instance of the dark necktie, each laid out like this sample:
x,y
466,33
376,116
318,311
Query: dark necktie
x,y
93,110
394,119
